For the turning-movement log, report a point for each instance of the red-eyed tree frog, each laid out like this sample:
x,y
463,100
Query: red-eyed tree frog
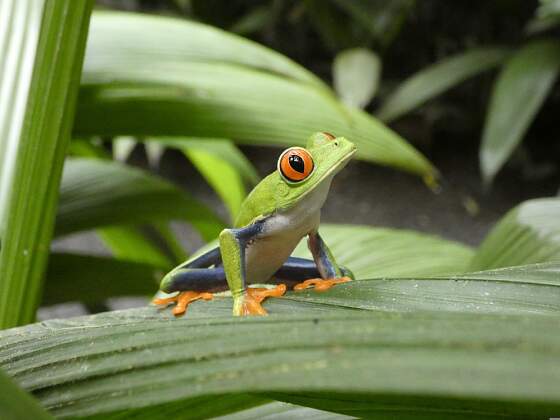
x,y
282,209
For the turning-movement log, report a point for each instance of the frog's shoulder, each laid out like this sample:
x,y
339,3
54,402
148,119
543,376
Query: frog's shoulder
x,y
260,202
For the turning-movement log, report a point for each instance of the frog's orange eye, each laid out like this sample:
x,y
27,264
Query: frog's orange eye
x,y
295,164
328,135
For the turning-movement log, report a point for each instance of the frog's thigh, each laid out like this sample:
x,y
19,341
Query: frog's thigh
x,y
194,273
196,280
233,243
212,257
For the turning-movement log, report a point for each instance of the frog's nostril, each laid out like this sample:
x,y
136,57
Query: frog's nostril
x,y
336,143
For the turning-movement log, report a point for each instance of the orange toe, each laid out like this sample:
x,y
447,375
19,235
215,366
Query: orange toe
x,y
321,285
252,306
252,301
183,300
261,293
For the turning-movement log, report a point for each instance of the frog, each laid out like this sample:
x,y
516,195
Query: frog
x,y
277,214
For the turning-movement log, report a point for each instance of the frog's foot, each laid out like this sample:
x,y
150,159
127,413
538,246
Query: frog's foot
x,y
250,302
183,300
321,284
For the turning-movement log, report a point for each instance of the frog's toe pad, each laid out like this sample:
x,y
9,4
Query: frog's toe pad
x,y
183,300
261,293
251,304
320,284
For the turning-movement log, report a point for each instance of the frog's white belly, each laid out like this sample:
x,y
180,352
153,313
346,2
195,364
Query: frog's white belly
x,y
282,233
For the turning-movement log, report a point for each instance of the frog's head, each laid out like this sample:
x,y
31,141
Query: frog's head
x,y
301,170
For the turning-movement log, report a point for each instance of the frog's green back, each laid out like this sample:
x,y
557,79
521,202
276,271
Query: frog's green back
x,y
260,201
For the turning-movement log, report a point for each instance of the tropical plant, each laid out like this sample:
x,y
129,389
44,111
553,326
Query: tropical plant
x,y
422,330
527,76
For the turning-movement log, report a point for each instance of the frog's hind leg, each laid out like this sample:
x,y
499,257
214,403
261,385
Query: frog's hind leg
x,y
193,282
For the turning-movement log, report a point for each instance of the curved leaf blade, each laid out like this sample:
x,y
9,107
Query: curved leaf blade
x,y
129,243
96,193
526,290
126,242
165,37
176,95
378,252
519,92
358,364
439,77
527,234
219,162
222,149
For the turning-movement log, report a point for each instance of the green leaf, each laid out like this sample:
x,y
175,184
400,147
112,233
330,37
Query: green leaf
x,y
129,243
96,193
525,290
356,75
218,161
87,148
186,94
169,38
378,252
16,404
223,178
439,77
318,355
89,279
529,233
41,58
543,273
547,16
171,242
222,149
519,92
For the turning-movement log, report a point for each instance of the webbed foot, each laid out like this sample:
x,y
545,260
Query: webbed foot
x,y
183,300
250,302
319,284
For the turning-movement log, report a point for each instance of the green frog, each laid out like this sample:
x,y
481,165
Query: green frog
x,y
282,209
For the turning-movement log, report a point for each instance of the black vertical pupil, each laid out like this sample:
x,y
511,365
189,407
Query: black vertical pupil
x,y
297,163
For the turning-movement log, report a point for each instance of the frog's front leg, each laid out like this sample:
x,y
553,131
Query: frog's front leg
x,y
233,244
331,273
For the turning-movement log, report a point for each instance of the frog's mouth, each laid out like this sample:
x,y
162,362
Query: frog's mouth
x,y
343,162
335,169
